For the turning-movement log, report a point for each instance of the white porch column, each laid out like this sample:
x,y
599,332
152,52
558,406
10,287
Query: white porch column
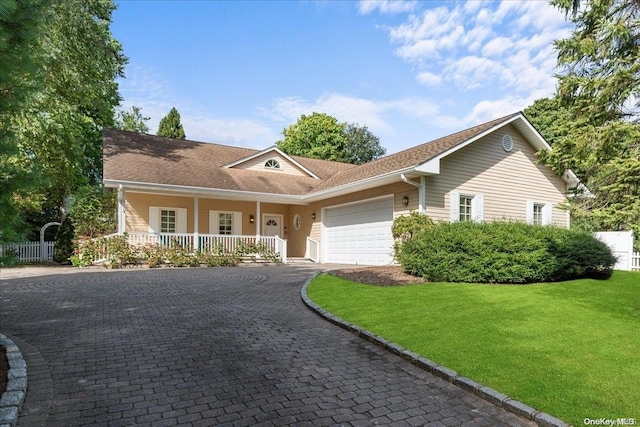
x,y
258,221
196,223
121,212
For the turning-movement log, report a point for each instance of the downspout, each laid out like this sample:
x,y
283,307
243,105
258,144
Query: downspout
x,y
121,210
421,190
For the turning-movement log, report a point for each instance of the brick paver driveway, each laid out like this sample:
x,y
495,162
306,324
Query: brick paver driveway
x,y
232,346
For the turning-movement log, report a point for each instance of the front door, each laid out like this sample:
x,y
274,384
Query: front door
x,y
272,225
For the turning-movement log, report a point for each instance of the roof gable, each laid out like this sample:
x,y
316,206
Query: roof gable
x,y
286,164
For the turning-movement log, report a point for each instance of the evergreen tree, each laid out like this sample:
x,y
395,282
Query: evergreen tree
x,y
170,126
597,103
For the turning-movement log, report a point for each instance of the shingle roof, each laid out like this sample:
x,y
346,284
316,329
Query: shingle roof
x,y
151,159
408,158
135,157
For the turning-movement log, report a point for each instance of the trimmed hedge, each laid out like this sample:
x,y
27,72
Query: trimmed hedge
x,y
503,252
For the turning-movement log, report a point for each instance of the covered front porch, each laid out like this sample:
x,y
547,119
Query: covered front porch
x,y
202,223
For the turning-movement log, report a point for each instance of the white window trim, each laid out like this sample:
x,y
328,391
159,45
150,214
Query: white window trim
x,y
277,162
547,212
236,222
154,218
297,222
477,206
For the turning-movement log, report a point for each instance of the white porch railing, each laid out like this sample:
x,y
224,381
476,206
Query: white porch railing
x,y
209,242
29,251
635,261
313,250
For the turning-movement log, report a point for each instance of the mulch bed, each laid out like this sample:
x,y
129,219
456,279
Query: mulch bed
x,y
390,275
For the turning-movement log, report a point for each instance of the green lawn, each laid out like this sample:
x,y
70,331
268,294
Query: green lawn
x,y
571,349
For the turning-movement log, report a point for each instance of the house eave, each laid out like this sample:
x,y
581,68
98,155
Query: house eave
x,y
182,190
364,184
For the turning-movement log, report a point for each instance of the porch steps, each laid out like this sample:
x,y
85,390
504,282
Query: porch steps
x,y
299,260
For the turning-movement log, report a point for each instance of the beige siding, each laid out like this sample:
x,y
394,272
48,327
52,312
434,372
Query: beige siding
x,y
137,218
247,209
297,239
257,164
137,207
507,180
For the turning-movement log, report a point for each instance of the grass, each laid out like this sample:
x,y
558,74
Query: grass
x,y
571,349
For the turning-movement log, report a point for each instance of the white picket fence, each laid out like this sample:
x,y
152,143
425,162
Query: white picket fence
x,y
29,251
635,261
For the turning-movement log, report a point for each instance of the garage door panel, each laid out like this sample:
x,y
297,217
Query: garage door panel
x,y
360,233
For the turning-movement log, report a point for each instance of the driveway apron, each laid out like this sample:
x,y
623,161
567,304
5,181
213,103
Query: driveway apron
x,y
218,346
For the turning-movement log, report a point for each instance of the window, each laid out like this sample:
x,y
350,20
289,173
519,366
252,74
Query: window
x,y
297,222
225,223
272,164
167,221
539,213
466,202
466,207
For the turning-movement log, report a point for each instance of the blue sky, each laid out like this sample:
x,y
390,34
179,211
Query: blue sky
x,y
239,72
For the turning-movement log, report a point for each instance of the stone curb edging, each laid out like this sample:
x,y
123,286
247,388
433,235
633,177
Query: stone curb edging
x,y
490,395
12,399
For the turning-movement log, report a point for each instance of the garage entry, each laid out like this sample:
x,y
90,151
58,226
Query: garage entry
x,y
359,233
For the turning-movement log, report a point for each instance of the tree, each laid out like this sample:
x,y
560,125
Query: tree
x,y
132,120
599,87
321,136
361,146
318,136
58,126
170,125
550,118
21,26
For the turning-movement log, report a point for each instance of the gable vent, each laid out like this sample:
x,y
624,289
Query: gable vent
x,y
507,143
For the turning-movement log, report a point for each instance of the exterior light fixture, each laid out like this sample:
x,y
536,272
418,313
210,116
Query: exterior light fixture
x,y
313,216
252,219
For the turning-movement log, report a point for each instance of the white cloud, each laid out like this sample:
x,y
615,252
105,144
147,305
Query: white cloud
x,y
505,45
233,131
429,79
497,46
386,6
489,110
471,71
343,107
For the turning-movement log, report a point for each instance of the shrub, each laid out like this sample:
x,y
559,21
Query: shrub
x,y
406,226
503,252
8,257
64,248
211,259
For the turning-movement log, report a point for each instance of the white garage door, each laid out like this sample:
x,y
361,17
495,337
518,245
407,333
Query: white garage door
x,y
359,233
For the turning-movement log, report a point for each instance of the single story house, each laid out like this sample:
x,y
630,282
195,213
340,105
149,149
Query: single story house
x,y
329,212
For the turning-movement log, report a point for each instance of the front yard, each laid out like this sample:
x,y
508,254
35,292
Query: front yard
x,y
571,349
